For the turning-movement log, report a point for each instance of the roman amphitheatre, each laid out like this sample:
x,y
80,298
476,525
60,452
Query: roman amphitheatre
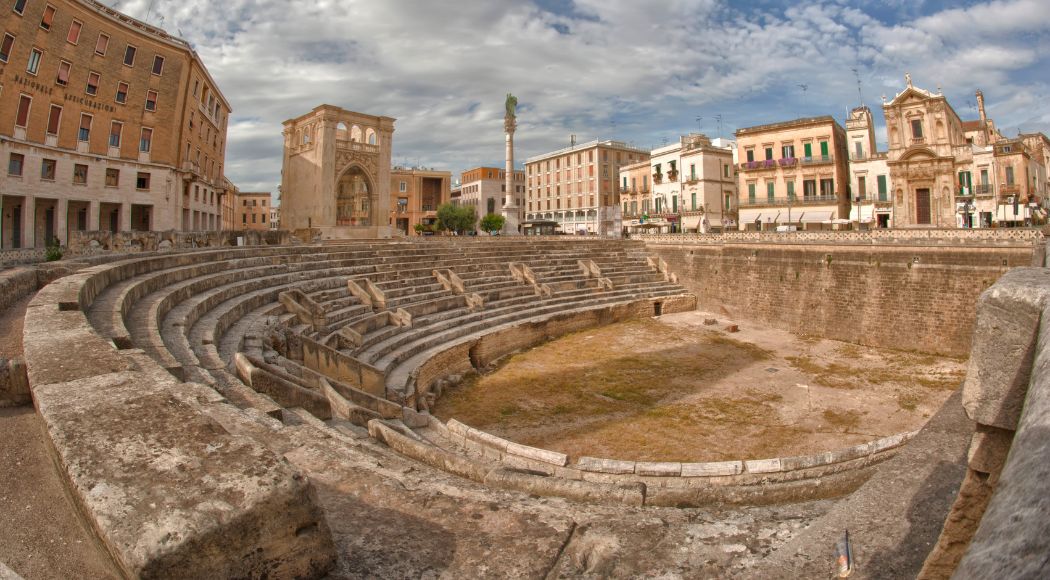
x,y
675,406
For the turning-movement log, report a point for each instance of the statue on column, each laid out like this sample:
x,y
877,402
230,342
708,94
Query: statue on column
x,y
511,117
510,206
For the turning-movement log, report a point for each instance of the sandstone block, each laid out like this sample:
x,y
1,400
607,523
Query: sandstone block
x,y
763,465
658,468
613,466
1004,347
544,455
712,469
989,448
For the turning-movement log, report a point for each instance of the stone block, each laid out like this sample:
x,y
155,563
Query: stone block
x,y
763,465
14,382
544,455
1004,347
989,447
202,503
614,466
712,469
732,328
658,468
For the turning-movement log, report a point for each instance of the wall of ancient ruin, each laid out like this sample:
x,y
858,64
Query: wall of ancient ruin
x,y
907,296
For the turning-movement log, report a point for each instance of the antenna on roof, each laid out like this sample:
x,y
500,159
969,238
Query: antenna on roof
x,y
700,124
718,118
148,10
804,88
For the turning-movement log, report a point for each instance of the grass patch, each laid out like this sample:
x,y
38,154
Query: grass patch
x,y
845,419
756,352
908,401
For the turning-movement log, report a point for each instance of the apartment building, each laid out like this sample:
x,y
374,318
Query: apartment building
x,y
578,187
869,174
793,173
253,210
485,189
694,185
275,217
415,194
107,123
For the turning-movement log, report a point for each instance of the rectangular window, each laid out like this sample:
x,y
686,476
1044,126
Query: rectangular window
x,y
115,131
15,163
859,150
1009,175
102,44
827,187
92,83
692,171
5,47
750,155
122,92
47,169
824,150
158,65
791,189
809,187
787,152
769,191
20,6
253,218
22,117
85,128
73,36
129,55
48,18
694,201
63,73
882,187
862,187
751,192
151,100
769,153
112,177
146,140
725,170
80,174
53,119
142,180
34,61
916,129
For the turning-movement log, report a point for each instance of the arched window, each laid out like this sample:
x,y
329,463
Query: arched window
x,y
372,137
342,132
355,134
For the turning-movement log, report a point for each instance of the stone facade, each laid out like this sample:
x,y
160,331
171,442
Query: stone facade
x,y
336,174
415,194
577,188
107,123
694,185
793,173
253,210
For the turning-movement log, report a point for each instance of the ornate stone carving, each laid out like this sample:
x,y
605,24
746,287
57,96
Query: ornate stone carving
x,y
368,161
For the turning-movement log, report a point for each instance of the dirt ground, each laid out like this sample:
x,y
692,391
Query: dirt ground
x,y
11,328
676,389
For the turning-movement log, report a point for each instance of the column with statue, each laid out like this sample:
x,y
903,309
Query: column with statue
x,y
510,205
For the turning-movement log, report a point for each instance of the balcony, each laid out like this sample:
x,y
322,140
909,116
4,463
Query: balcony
x,y
858,156
758,165
1013,189
918,140
981,190
788,162
792,201
818,160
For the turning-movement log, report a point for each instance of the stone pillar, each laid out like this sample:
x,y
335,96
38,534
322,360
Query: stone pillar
x,y
29,222
125,217
61,215
510,206
92,216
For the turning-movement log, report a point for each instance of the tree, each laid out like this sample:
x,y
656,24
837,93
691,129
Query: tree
x,y
456,218
493,223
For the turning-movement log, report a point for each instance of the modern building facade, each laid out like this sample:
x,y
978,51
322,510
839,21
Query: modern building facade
x,y
793,173
578,187
336,173
415,195
253,210
107,123
485,188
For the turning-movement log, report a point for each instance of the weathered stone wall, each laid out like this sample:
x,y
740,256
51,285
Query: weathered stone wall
x,y
909,297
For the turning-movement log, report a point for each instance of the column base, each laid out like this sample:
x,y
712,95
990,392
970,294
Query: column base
x,y
510,225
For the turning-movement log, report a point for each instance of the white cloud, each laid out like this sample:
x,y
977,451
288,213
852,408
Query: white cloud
x,y
637,71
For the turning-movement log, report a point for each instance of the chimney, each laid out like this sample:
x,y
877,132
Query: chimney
x,y
980,106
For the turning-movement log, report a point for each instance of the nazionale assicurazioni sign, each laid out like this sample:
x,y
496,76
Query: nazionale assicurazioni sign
x,y
49,91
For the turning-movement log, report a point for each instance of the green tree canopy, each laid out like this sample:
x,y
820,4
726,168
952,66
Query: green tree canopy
x,y
493,222
456,218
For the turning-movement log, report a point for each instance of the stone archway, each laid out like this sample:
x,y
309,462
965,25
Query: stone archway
x,y
355,198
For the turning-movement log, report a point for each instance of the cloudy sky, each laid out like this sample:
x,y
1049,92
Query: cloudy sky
x,y
637,71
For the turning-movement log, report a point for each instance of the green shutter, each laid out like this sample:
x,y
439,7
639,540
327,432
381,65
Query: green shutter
x,y
882,187
751,192
824,149
674,204
791,190
808,149
769,190
694,201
